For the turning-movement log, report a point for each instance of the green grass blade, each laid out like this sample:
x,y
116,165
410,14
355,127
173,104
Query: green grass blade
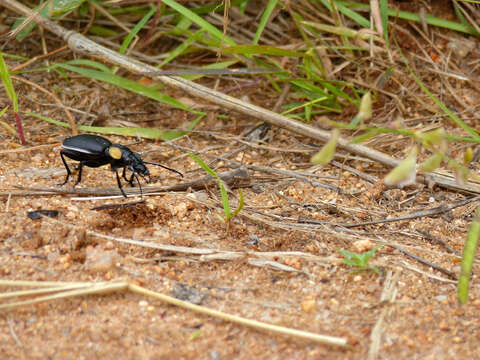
x,y
359,19
462,18
225,202
209,28
440,104
90,63
147,133
406,15
214,66
204,166
3,111
7,83
180,49
125,84
223,190
7,127
264,20
53,8
128,39
261,49
468,257
341,31
384,17
241,203
102,31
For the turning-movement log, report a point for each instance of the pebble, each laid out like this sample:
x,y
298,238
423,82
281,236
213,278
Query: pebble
x,y
308,305
357,278
100,261
361,246
180,210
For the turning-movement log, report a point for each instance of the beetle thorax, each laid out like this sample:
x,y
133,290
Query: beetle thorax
x,y
134,162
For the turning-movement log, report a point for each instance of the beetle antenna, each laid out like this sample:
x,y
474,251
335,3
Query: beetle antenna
x,y
165,167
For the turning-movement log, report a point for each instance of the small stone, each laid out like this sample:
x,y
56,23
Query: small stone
x,y
180,210
70,215
201,196
457,340
357,278
361,246
443,325
214,355
308,305
100,261
52,256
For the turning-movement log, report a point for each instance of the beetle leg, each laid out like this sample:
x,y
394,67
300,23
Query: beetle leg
x,y
131,180
120,184
124,173
79,178
66,167
138,181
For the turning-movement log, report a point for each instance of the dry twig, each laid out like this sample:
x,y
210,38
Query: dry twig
x,y
66,290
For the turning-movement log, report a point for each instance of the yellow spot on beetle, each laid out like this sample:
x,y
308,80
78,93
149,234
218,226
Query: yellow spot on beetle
x,y
115,152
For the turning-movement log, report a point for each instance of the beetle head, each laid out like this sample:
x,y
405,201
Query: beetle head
x,y
137,165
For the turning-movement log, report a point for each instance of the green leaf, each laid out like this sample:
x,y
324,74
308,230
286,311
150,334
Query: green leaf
x,y
364,137
432,138
326,153
365,112
432,163
360,260
468,156
404,173
195,334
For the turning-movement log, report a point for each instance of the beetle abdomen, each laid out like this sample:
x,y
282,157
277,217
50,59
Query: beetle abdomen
x,y
86,144
89,149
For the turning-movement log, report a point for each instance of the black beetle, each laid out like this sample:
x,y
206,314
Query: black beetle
x,y
95,151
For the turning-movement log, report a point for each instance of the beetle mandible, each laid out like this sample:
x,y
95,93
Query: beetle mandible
x,y
95,151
